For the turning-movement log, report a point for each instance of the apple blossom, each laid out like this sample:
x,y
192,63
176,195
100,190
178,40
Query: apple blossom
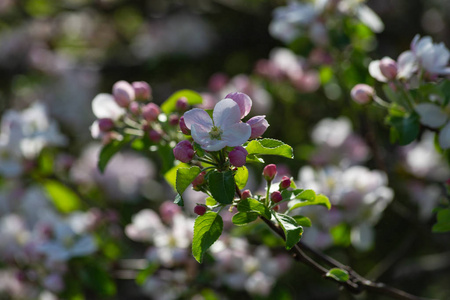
x,y
276,196
362,93
243,100
182,104
285,183
200,210
142,90
269,172
225,129
238,156
246,194
258,125
150,112
123,93
184,151
183,127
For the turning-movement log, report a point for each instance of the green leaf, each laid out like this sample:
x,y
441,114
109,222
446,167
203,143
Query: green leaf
x,y
185,176
319,200
179,200
64,199
222,186
210,201
170,104
302,221
98,279
241,177
407,128
309,195
243,218
165,152
253,205
292,231
338,274
147,272
207,229
443,221
251,158
108,152
171,175
269,147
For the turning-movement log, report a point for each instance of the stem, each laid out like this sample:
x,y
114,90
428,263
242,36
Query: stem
x,y
266,202
356,284
206,161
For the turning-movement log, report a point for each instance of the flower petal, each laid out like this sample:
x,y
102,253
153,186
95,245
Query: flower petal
x,y
407,64
226,113
431,115
444,137
199,117
236,134
243,100
374,70
200,134
104,106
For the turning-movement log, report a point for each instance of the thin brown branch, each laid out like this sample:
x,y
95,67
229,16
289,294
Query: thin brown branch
x,y
356,283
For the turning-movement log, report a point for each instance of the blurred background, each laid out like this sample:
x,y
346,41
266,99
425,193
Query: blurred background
x,y
56,56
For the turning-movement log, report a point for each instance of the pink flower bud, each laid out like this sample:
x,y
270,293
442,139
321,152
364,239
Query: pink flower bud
x,y
174,120
276,208
362,93
246,194
217,82
168,210
105,124
184,151
269,172
243,100
200,210
238,156
150,112
285,183
123,93
388,67
276,196
142,90
134,108
155,135
183,127
182,104
199,181
258,125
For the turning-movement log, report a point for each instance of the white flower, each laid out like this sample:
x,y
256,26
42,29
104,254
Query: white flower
x,y
225,129
432,57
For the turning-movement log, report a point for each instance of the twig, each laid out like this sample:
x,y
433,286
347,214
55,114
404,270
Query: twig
x,y
356,283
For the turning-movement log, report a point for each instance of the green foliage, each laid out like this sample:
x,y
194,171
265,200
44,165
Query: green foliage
x,y
145,273
98,279
222,186
243,218
302,221
292,231
443,221
253,205
109,150
170,104
171,175
241,177
184,178
207,229
300,198
269,147
404,129
64,199
338,274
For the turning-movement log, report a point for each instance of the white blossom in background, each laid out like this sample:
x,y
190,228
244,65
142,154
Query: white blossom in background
x,y
358,197
124,178
337,143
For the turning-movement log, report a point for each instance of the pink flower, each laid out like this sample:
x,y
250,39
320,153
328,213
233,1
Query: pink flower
x,y
259,125
150,112
142,90
184,151
244,102
123,93
269,172
362,93
238,156
224,129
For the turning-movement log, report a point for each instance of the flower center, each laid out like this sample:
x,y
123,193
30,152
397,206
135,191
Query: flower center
x,y
216,133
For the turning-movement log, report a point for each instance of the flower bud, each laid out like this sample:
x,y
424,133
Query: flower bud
x,y
182,104
155,135
258,125
150,112
198,181
238,156
174,120
123,93
142,90
276,208
217,82
285,183
362,93
388,67
246,194
276,197
269,172
243,100
105,124
184,151
200,210
134,108
184,129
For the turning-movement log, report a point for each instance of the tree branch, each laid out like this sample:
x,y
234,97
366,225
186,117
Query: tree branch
x,y
356,283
